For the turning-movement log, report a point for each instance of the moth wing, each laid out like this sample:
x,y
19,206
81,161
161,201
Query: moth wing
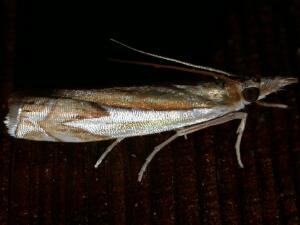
x,y
176,97
45,119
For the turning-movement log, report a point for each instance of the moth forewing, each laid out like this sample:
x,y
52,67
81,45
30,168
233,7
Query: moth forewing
x,y
93,115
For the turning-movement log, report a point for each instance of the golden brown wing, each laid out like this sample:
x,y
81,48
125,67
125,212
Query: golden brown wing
x,y
179,97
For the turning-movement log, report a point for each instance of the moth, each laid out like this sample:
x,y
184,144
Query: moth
x,y
121,112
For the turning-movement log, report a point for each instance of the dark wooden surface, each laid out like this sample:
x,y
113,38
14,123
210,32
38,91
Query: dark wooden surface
x,y
194,181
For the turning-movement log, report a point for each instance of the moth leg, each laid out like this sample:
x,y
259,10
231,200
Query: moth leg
x,y
272,105
232,116
108,150
240,131
183,132
153,153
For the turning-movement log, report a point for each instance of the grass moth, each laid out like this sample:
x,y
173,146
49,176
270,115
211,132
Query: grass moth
x,y
121,112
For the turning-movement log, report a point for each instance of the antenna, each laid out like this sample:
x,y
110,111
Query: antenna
x,y
173,60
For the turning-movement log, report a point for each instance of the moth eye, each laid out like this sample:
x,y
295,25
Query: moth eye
x,y
251,94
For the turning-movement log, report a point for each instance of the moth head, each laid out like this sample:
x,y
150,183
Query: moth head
x,y
271,85
253,90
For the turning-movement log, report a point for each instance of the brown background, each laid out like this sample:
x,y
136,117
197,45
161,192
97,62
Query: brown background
x,y
50,45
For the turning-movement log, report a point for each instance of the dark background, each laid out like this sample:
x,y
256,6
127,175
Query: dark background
x,y
60,44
